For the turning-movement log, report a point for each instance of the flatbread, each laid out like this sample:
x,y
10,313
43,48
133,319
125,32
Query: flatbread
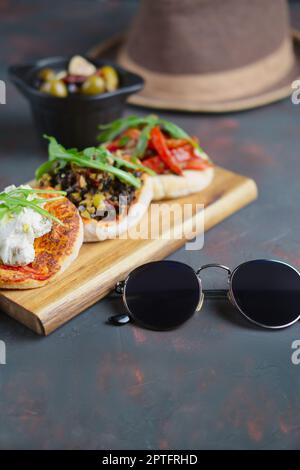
x,y
54,252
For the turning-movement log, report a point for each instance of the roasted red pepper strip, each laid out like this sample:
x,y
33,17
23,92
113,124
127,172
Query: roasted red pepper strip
x,y
156,164
189,159
175,143
112,146
196,163
132,135
184,153
159,143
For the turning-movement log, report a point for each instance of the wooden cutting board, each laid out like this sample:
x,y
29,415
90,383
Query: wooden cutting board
x,y
100,265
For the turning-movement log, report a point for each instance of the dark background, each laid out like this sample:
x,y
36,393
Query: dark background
x,y
217,382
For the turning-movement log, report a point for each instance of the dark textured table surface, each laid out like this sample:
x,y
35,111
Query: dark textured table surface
x,y
217,382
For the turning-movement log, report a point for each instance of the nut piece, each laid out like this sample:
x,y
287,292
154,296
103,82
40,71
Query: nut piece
x,y
80,66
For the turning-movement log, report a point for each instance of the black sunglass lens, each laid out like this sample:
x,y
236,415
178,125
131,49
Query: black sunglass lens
x,y
162,295
267,292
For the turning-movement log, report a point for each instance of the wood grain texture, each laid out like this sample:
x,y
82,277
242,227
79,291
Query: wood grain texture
x,y
100,265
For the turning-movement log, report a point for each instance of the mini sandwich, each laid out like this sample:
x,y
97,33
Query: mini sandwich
x,y
181,166
40,236
112,194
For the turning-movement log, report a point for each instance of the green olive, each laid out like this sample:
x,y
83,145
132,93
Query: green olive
x,y
55,88
111,77
46,74
98,200
93,85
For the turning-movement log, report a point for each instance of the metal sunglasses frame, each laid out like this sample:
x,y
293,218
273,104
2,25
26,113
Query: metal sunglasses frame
x,y
120,288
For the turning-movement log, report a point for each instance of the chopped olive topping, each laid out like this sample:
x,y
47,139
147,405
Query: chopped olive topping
x,y
93,193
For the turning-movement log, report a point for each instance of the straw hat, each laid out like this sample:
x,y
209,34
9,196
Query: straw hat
x,y
210,55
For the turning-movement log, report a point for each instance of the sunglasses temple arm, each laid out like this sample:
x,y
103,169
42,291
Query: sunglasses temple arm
x,y
119,287
215,293
121,319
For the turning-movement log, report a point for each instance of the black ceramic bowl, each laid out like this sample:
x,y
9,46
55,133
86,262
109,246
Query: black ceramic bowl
x,y
73,120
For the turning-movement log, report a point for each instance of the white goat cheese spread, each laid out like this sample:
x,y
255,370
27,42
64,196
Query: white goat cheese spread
x,y
18,232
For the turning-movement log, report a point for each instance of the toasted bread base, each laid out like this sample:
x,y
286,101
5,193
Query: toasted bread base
x,y
172,186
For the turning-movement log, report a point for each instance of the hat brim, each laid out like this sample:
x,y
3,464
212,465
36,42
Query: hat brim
x,y
278,91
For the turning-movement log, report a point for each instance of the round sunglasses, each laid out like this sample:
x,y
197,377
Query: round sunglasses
x,y
162,295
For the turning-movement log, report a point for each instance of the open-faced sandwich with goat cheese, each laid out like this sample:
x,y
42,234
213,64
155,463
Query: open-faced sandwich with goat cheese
x,y
181,166
112,194
40,236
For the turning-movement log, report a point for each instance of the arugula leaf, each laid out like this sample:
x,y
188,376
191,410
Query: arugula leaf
x,y
44,168
89,152
56,150
123,141
3,212
102,152
144,138
134,166
85,159
13,201
44,191
114,129
174,130
177,133
40,210
95,153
